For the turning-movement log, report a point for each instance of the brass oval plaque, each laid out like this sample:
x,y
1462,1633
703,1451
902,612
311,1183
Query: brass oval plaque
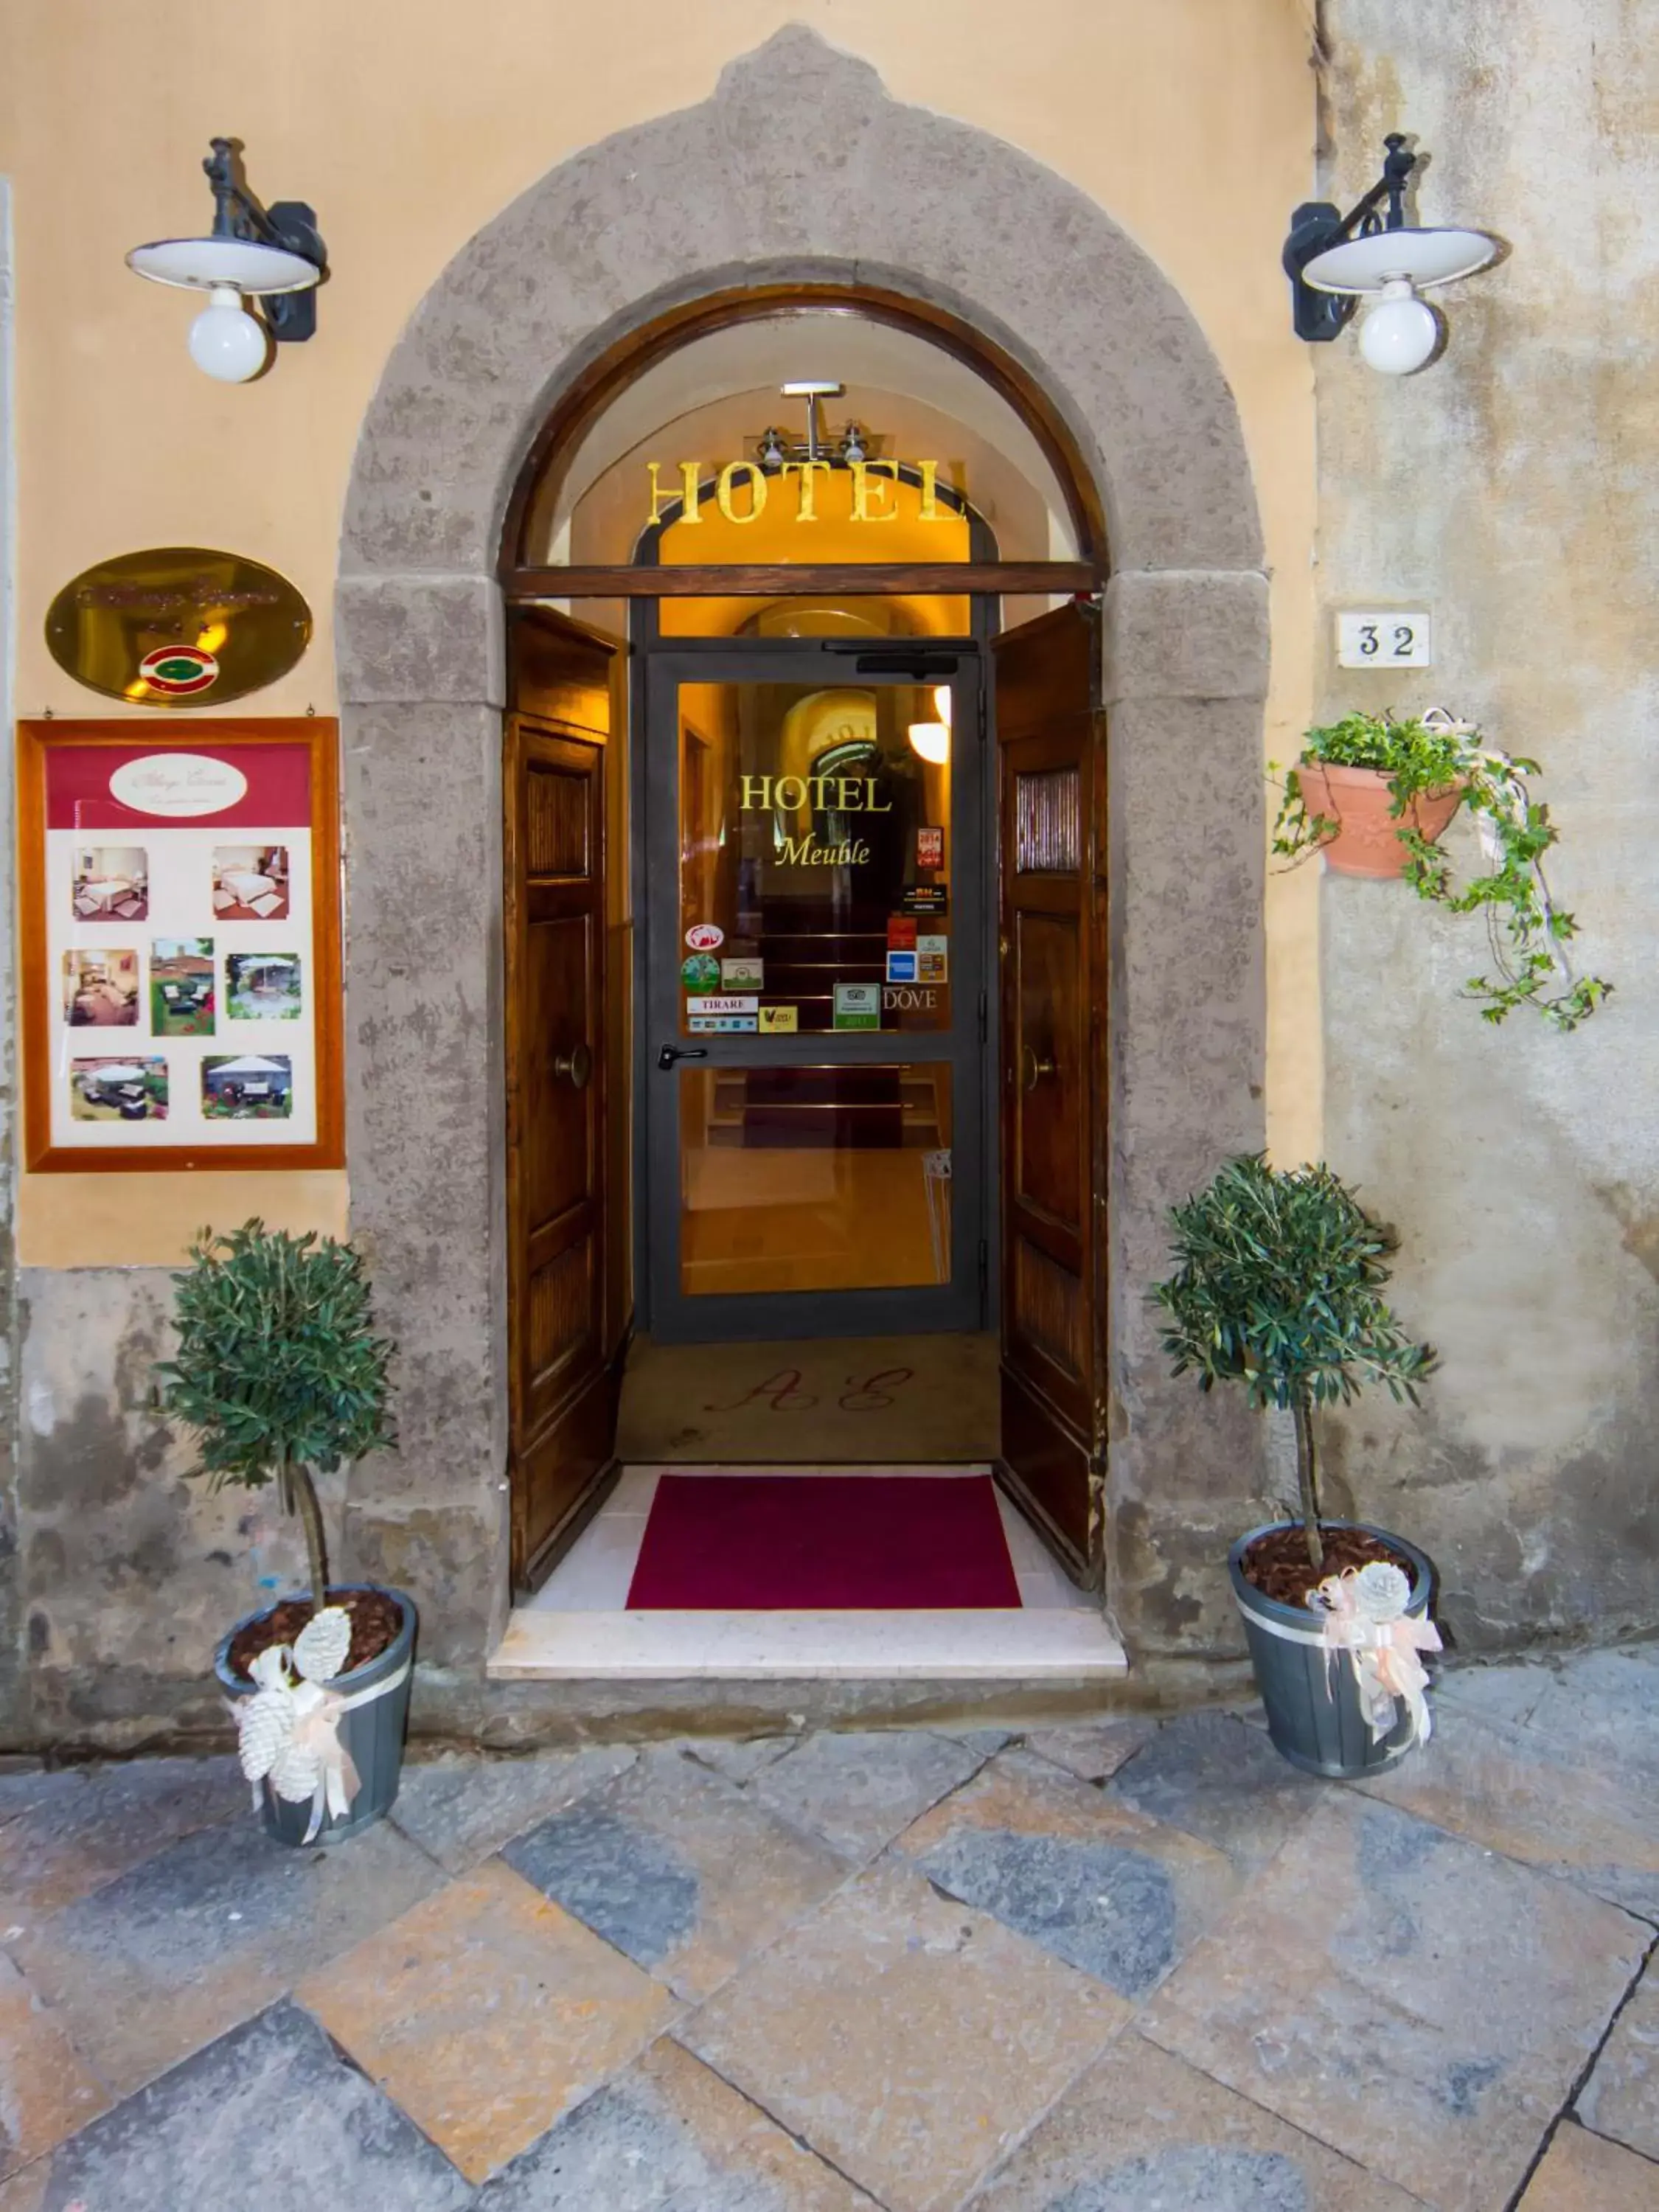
x,y
180,626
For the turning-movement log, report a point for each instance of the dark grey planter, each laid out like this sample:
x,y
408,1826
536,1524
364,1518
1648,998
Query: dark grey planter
x,y
1314,1713
373,1735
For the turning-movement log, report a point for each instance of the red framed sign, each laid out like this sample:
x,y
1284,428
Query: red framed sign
x,y
180,927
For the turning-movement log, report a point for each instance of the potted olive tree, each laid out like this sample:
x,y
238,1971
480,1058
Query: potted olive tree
x,y
278,1372
1376,796
1277,1287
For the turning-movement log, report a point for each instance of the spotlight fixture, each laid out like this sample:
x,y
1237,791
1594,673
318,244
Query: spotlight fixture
x,y
840,449
272,254
1334,261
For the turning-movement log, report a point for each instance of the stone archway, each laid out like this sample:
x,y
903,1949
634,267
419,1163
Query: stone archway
x,y
799,168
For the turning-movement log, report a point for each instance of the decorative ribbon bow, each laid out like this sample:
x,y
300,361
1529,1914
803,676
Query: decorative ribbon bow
x,y
1365,1616
288,1732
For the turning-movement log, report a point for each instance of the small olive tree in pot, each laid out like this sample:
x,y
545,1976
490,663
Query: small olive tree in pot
x,y
1278,1287
278,1372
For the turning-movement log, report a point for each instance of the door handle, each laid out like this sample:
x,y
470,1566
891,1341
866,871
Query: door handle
x,y
1032,1070
671,1053
576,1067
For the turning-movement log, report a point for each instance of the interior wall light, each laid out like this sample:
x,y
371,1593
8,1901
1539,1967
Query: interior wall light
x,y
271,254
1335,260
930,741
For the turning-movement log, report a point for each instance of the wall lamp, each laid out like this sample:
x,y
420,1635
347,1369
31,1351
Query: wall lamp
x,y
272,254
1334,261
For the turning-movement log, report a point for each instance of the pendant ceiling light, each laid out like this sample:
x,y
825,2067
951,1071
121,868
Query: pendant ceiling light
x,y
1335,261
270,254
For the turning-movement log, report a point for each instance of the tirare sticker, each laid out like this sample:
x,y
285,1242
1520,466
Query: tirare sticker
x,y
858,1007
743,974
705,937
711,1008
933,959
780,1021
700,971
900,967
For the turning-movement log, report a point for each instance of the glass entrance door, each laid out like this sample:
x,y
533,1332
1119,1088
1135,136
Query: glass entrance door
x,y
814,1020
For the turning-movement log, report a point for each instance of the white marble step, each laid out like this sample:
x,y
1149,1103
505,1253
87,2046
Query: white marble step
x,y
1028,1645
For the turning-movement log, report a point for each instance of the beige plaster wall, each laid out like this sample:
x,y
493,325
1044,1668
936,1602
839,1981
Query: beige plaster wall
x,y
408,123
1513,489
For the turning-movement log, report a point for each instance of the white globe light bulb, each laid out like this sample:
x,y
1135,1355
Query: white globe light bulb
x,y
1399,334
226,341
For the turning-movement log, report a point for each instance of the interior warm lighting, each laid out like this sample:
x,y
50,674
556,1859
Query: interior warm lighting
x,y
932,740
942,702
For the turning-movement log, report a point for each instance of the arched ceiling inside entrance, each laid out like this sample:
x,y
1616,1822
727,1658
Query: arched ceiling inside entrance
x,y
702,403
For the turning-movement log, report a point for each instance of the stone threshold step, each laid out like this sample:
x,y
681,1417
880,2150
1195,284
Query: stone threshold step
x,y
1027,1645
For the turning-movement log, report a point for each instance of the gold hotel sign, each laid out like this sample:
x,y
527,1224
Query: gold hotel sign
x,y
873,496
180,626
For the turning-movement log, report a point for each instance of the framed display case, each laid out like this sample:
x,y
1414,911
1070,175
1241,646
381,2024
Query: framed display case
x,y
179,889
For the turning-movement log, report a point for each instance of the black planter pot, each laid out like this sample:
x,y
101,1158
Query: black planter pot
x,y
373,1734
1314,1714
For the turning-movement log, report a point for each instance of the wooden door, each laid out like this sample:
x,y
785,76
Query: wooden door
x,y
1052,940
564,1374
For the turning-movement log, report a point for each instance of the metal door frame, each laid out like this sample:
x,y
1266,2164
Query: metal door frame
x,y
968,1301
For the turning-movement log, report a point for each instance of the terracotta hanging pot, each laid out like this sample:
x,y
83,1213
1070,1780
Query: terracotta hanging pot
x,y
1358,800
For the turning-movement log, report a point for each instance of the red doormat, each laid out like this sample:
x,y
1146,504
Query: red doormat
x,y
770,1543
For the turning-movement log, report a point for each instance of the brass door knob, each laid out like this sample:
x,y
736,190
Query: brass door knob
x,y
1032,1070
576,1067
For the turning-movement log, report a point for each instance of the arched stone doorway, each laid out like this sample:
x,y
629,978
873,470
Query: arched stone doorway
x,y
798,169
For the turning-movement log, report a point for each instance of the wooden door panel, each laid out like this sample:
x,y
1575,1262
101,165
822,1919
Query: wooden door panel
x,y
560,1066
1050,1102
1052,940
562,954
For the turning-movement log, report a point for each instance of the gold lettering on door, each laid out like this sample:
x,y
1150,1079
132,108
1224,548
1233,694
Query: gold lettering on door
x,y
854,794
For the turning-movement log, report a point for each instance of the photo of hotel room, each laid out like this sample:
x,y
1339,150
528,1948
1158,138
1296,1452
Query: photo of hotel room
x,y
101,988
112,883
250,883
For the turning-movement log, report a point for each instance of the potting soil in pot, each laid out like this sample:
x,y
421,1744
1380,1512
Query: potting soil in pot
x,y
375,1621
1278,1566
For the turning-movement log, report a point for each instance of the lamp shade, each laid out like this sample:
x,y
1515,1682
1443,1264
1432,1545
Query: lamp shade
x,y
202,263
1423,257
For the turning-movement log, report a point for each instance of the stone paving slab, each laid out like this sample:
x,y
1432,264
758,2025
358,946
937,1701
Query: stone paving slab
x,y
1580,2173
1494,1781
1602,1708
907,2039
679,1868
860,1790
269,2119
1108,1890
668,2136
78,1830
1144,2132
206,1932
1622,2098
1419,2004
486,2013
739,1760
1092,1749
46,2092
459,1808
1222,1781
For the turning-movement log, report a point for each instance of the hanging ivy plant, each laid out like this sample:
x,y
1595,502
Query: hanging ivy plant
x,y
1527,932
